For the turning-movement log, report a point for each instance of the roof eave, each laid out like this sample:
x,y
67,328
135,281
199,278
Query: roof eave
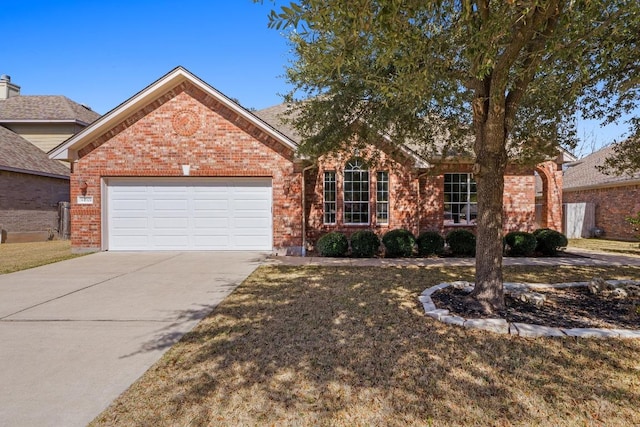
x,y
33,172
632,181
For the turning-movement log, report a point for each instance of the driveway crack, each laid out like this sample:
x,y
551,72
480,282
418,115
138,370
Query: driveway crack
x,y
89,286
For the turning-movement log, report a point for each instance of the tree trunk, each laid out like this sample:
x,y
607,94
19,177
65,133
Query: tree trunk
x,y
489,171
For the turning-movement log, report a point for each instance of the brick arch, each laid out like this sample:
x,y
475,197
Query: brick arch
x,y
551,176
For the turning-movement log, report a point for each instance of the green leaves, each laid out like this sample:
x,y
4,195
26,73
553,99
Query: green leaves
x,y
395,63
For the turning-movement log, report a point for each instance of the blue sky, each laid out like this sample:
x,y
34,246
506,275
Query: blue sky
x,y
100,53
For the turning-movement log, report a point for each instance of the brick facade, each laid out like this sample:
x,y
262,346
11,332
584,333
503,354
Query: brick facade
x,y
612,205
551,176
29,203
416,198
223,145
185,123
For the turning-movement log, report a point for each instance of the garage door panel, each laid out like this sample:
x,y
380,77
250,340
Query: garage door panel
x,y
211,214
212,222
130,223
169,222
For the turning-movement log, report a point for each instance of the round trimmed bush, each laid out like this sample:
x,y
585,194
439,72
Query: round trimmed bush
x,y
398,243
364,244
520,243
430,243
550,241
333,244
462,242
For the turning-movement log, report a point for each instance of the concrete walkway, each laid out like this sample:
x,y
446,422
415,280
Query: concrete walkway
x,y
577,257
76,334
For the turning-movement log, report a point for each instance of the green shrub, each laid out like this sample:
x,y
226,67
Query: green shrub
x,y
430,243
549,241
398,243
364,244
635,224
333,244
520,243
462,242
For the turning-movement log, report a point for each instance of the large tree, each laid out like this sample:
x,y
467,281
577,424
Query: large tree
x,y
502,78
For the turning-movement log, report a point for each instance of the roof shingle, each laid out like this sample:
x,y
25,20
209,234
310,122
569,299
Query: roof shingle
x,y
16,153
44,107
584,172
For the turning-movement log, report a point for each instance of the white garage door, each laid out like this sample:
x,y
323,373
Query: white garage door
x,y
189,214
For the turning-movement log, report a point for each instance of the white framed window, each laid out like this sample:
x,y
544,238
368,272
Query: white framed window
x,y
460,199
382,197
356,192
329,197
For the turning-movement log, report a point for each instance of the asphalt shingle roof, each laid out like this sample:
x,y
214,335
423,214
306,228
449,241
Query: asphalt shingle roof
x,y
584,173
44,107
274,116
18,153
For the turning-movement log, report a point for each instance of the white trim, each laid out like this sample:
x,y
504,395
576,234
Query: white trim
x,y
104,217
145,97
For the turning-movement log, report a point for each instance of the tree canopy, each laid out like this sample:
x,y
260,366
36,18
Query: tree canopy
x,y
504,78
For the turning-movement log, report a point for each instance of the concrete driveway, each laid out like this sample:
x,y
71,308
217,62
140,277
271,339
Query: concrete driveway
x,y
76,334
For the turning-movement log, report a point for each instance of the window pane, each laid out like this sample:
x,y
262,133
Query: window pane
x,y
329,193
356,193
460,199
382,197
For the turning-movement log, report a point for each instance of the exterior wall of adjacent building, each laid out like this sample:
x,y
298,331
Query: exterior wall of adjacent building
x,y
45,136
29,203
612,205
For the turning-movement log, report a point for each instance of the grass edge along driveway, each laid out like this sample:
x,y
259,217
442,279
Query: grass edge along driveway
x,y
21,256
340,346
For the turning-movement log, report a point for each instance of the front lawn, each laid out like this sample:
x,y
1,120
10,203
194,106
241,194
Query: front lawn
x,y
614,246
349,346
20,256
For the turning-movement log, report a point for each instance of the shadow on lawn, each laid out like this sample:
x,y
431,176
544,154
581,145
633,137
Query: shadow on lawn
x,y
352,346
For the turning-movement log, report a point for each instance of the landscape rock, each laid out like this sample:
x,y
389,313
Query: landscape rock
x,y
597,285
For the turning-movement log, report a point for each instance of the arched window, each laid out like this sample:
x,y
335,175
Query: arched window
x,y
356,192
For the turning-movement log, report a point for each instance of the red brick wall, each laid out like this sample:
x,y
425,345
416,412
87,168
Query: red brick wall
x,y
416,199
29,203
403,197
551,176
613,205
224,145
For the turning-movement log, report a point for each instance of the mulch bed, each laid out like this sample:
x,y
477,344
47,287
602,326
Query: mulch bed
x,y
574,307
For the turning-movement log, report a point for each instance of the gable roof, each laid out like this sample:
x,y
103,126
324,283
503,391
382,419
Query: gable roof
x,y
583,174
68,150
44,108
275,116
19,155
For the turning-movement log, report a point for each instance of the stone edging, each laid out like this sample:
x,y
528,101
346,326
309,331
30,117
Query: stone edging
x,y
501,326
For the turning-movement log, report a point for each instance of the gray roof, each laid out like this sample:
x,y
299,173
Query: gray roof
x,y
44,107
583,173
274,117
19,155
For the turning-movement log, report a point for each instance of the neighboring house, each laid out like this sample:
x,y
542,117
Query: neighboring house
x,y
43,120
612,197
181,166
31,184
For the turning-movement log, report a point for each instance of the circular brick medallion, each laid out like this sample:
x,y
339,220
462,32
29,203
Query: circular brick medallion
x,y
185,122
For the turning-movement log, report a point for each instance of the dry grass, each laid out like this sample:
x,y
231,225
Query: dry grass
x,y
339,346
20,256
615,246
